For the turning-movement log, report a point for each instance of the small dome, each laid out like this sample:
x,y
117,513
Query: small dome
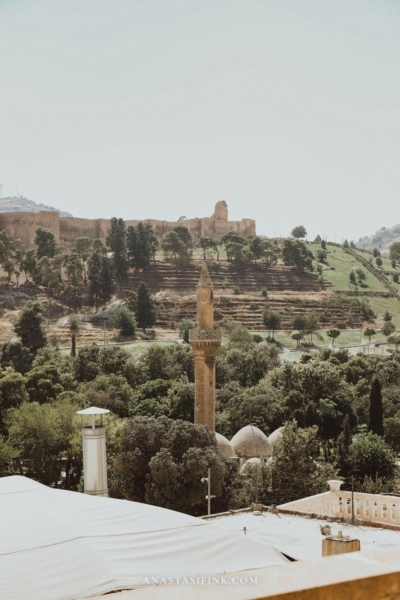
x,y
275,436
251,442
251,462
224,446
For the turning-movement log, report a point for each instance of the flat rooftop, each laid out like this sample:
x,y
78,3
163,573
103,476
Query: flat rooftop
x,y
300,537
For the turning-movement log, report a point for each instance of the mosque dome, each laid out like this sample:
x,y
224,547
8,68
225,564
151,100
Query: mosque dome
x,y
251,442
275,436
224,446
251,462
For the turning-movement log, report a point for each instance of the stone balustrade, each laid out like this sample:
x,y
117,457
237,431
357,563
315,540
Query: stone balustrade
x,y
374,508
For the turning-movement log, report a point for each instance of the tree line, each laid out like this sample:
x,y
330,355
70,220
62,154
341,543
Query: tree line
x,y
341,417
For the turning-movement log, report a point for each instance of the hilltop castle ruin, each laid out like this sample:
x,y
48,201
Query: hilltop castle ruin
x,y
21,226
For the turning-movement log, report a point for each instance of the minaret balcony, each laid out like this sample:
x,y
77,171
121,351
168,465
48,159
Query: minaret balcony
x,y
205,335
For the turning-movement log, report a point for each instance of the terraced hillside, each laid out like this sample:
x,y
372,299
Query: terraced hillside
x,y
333,310
250,279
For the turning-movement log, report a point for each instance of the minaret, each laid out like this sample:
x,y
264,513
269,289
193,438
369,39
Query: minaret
x,y
205,341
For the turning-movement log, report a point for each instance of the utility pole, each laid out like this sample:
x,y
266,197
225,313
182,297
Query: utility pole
x,y
273,488
352,498
104,332
257,484
209,496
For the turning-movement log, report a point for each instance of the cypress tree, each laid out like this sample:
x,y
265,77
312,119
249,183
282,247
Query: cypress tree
x,y
375,408
145,310
116,240
73,346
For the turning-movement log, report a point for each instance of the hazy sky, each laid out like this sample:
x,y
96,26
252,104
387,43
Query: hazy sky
x,y
287,109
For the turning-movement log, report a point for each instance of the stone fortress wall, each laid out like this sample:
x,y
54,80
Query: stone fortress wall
x,y
21,226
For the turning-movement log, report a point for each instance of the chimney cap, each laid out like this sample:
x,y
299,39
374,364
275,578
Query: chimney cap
x,y
93,410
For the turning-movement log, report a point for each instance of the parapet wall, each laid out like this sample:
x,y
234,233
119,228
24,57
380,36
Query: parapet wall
x,y
21,226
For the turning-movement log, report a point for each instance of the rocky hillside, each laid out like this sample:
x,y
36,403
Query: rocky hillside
x,y
382,239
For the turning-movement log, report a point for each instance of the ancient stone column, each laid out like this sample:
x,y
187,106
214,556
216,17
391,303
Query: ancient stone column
x,y
205,341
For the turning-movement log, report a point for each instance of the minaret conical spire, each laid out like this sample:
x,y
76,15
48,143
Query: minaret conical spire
x,y
204,276
205,300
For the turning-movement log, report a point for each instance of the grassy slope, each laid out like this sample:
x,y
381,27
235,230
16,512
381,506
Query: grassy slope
x,y
338,266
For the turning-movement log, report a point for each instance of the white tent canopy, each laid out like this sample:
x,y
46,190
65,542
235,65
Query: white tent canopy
x,y
59,545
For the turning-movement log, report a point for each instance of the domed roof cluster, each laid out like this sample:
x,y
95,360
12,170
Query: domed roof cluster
x,y
251,462
224,446
275,436
250,444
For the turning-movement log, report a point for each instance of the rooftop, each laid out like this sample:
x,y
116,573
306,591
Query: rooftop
x,y
300,537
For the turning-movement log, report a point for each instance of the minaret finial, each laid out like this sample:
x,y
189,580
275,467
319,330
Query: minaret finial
x,y
204,275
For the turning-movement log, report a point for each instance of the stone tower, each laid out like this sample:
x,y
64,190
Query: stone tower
x,y
205,341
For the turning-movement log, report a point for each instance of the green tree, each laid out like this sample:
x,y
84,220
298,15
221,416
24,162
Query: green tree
x,y
299,232
109,391
297,336
184,234
299,322
352,278
375,423
369,332
207,244
312,324
12,392
43,383
73,269
45,242
387,316
124,320
392,432
361,275
333,334
296,254
42,436
297,467
94,270
106,281
74,324
145,311
379,261
9,267
116,240
173,246
388,328
272,321
372,457
394,251
184,326
29,326
14,354
376,252
28,263
176,471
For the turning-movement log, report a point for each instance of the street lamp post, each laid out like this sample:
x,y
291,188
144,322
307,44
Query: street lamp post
x,y
209,496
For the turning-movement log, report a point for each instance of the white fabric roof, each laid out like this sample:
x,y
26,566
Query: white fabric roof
x,y
59,545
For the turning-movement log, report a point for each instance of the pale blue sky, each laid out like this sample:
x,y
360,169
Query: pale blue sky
x,y
286,109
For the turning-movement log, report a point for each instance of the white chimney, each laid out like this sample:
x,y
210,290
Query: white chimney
x,y
94,451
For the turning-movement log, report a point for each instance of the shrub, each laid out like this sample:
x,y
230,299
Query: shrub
x,y
184,326
264,292
124,320
236,290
